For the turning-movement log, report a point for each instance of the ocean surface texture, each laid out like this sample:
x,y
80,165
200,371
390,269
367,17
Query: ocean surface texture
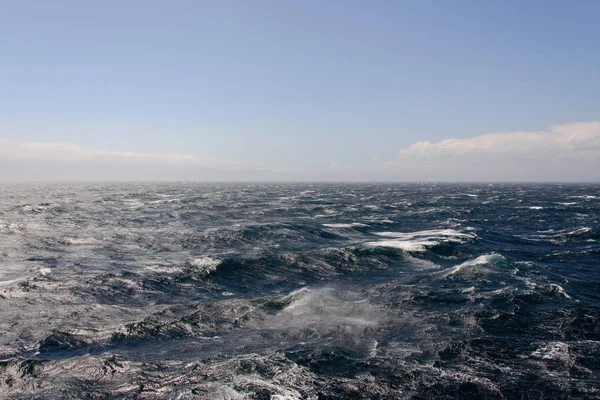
x,y
299,291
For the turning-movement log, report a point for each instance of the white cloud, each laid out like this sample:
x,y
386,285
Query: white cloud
x,y
48,161
568,152
66,152
580,139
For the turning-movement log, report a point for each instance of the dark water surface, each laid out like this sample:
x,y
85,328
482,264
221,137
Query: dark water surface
x,y
299,291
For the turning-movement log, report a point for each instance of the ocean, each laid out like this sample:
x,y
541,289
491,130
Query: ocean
x,y
299,291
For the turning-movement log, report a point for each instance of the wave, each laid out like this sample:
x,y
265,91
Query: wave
x,y
482,265
421,241
564,235
259,291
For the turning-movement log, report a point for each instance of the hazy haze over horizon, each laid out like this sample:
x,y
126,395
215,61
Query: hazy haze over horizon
x,y
307,91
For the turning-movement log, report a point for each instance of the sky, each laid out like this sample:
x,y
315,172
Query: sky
x,y
446,90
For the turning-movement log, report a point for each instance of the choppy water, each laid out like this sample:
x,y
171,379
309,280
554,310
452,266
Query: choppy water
x,y
299,291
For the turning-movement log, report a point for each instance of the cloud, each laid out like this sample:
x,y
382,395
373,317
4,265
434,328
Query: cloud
x,y
66,152
580,139
50,161
568,152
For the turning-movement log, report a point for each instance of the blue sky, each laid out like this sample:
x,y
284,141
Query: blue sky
x,y
295,87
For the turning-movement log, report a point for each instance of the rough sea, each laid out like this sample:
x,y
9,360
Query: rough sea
x,y
299,291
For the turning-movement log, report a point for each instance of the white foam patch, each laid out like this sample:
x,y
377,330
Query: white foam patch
x,y
420,241
206,263
371,206
553,236
324,307
12,281
553,351
481,264
161,269
134,203
45,271
328,215
421,264
559,289
165,201
578,231
77,240
557,236
536,208
343,226
409,246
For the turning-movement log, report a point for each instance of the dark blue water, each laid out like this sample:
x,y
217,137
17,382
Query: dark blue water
x,y
300,291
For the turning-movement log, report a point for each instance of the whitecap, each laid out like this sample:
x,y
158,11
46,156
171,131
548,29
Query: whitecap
x,y
406,245
161,269
578,231
559,289
419,241
481,264
323,307
134,203
553,236
558,351
326,215
349,225
12,281
206,264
